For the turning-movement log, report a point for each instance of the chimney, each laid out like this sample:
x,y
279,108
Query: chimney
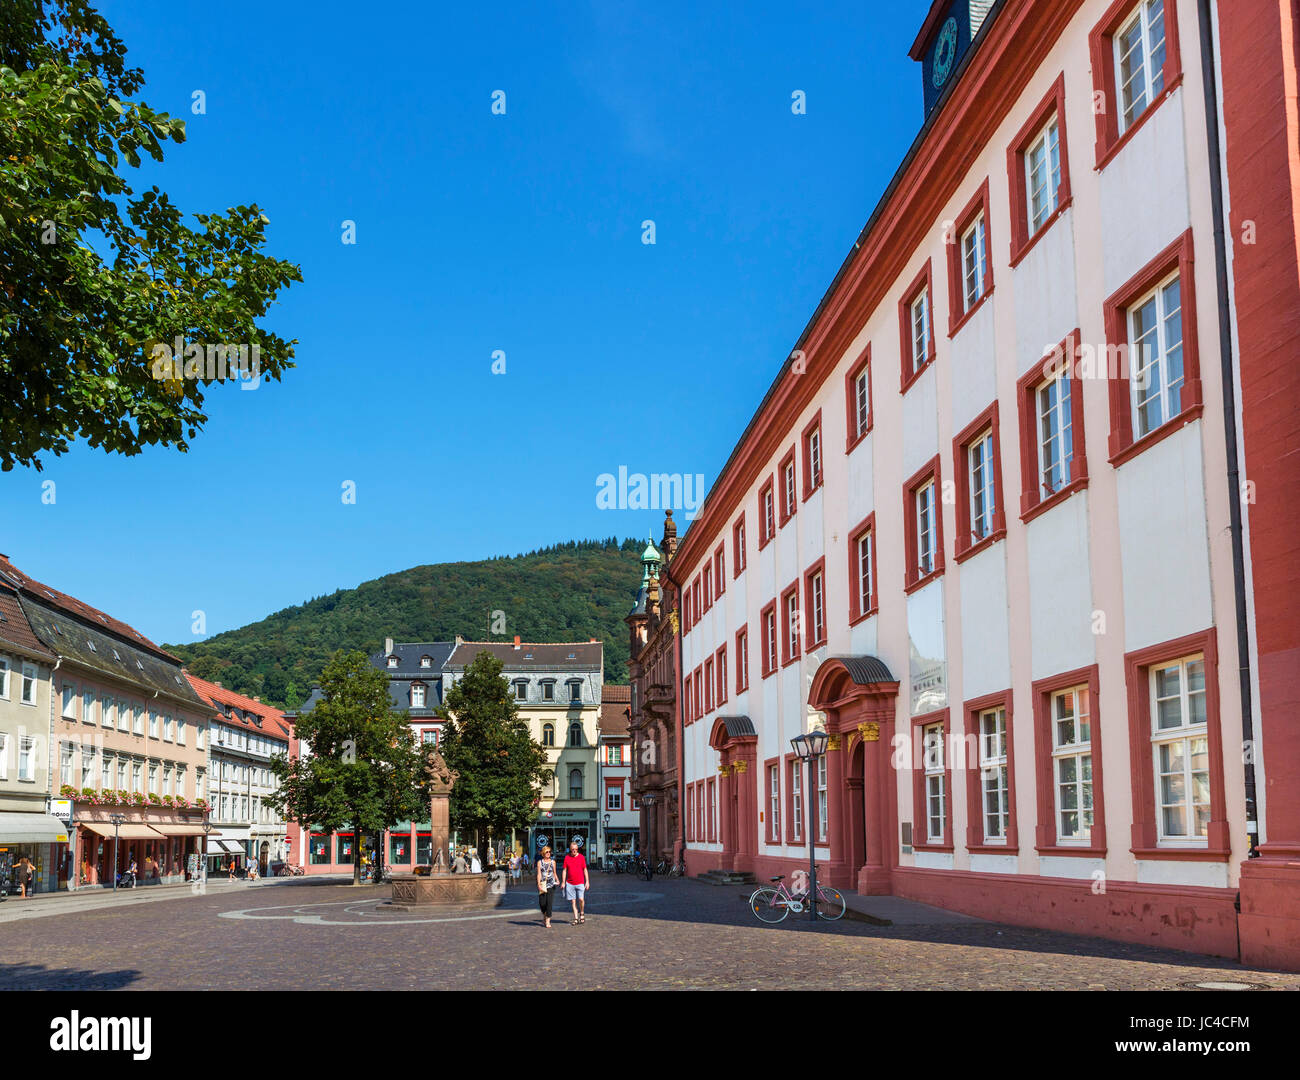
x,y
257,699
388,646
516,641
218,685
592,640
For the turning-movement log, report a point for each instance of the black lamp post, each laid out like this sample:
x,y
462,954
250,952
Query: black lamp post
x,y
207,828
810,748
605,844
118,820
648,800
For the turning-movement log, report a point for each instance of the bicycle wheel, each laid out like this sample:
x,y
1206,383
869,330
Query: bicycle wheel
x,y
830,903
768,905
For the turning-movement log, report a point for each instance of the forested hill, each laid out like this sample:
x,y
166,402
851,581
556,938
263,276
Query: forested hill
x,y
569,592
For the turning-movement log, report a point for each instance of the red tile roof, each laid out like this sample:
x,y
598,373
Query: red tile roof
x,y
15,630
616,692
614,718
271,716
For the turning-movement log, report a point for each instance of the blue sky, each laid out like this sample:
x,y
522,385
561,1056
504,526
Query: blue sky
x,y
474,233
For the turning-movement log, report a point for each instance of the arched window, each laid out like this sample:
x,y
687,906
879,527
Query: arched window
x,y
575,783
548,734
575,734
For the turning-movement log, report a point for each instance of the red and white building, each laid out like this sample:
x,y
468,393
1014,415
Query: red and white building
x,y
1015,521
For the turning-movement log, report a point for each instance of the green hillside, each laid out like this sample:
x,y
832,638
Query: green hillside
x,y
568,592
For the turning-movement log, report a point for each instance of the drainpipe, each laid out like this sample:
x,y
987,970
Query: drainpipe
x,y
1208,77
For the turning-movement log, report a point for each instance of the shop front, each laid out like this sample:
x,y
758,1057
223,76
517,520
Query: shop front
x,y
40,838
160,848
557,829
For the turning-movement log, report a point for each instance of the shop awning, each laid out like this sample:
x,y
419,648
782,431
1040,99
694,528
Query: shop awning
x,y
179,830
132,830
234,847
214,847
19,828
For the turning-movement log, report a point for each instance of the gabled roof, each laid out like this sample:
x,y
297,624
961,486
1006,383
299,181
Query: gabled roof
x,y
238,709
15,630
544,656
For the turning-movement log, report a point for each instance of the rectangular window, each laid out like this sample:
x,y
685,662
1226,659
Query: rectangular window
x,y
738,546
935,793
614,798
137,723
4,678
167,728
153,779
136,786
121,774
774,803
29,684
980,462
742,660
790,623
789,493
721,669
713,809
1055,435
720,571
1156,357
924,504
994,781
796,801
707,585
65,764
1181,751
766,515
918,313
153,724
1072,764
89,766
822,824
27,758
815,590
862,573
521,691
708,686
812,456
974,263
857,397
69,701
4,756
1043,175
180,731
1140,60
768,626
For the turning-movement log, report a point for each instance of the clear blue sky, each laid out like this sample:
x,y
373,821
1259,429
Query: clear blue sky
x,y
477,232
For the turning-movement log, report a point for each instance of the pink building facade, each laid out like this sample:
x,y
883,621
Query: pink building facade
x,y
993,525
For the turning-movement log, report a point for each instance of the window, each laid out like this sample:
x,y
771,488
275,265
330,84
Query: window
x,y
1072,764
521,689
789,493
923,526
27,758
742,659
766,514
548,690
167,727
153,724
815,592
721,668
823,825
738,546
1043,175
548,734
88,700
720,571
89,766
774,803
916,319
4,678
392,661
180,731
994,780
692,828
29,684
706,585
614,798
121,774
575,734
417,695
708,685
862,570
1152,359
137,726
857,396
1180,750
790,623
136,786
970,275
426,661
977,454
1038,171
699,692
69,701
65,764
712,809
575,691
935,788
575,783
697,599
768,625
812,455
796,801
1051,417
1135,63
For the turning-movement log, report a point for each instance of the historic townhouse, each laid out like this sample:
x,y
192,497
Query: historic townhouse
x,y
619,819
126,738
243,735
1016,523
27,828
558,691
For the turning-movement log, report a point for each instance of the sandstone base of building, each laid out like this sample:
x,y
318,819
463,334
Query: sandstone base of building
x,y
1270,913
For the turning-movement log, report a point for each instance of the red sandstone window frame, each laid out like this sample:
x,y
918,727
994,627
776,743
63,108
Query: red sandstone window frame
x,y
738,546
766,524
768,633
1032,500
697,598
742,659
788,505
853,435
1044,774
710,682
773,827
920,809
1137,667
975,842
710,805
958,313
690,813
719,570
1178,257
865,527
813,480
814,638
1101,46
965,545
793,764
913,578
706,577
791,636
699,691
1051,105
907,373
686,610
720,670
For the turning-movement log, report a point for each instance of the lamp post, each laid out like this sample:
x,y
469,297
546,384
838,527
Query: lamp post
x,y
810,747
605,840
648,800
118,820
207,828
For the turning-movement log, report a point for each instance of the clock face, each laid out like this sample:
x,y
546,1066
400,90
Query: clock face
x,y
945,51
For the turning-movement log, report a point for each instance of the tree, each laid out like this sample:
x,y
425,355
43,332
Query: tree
x,y
363,768
94,279
501,768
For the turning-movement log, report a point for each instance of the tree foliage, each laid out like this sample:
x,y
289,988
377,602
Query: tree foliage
x,y
363,770
93,276
501,767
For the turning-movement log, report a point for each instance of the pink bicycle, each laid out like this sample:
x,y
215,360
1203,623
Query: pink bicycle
x,y
772,904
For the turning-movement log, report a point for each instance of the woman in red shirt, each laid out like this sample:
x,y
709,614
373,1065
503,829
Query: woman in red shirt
x,y
577,880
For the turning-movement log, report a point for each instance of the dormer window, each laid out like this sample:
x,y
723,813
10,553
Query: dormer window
x,y
426,661
417,695
575,690
548,689
392,661
521,689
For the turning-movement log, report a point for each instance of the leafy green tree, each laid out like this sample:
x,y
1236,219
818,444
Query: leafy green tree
x,y
94,278
501,767
363,768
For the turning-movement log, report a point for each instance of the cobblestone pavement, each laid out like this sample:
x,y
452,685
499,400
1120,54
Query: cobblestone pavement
x,y
653,935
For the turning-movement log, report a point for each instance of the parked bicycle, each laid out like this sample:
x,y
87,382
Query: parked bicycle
x,y
678,869
772,903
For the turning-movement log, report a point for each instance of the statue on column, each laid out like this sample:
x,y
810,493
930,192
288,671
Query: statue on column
x,y
441,780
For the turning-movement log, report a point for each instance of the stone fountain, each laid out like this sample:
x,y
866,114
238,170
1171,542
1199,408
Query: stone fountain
x,y
439,887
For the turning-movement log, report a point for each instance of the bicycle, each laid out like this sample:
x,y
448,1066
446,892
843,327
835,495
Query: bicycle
x,y
771,905
678,869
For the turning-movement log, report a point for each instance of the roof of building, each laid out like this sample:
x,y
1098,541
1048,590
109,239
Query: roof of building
x,y
541,656
409,655
241,711
613,718
70,605
15,630
616,692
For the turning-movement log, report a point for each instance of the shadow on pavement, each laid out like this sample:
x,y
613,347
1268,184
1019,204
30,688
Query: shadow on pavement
x,y
39,977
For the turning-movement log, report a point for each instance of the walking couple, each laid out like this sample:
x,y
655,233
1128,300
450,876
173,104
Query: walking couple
x,y
573,876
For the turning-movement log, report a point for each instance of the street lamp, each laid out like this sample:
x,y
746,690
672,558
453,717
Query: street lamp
x,y
117,820
648,800
810,747
207,828
605,844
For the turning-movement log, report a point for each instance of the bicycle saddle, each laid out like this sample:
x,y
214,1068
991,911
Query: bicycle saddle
x,y
779,877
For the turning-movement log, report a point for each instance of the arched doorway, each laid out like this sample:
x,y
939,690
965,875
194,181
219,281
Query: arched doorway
x,y
736,742
858,696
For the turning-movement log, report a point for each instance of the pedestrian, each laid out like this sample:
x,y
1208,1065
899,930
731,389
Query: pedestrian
x,y
546,884
475,867
232,869
458,864
26,876
576,880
